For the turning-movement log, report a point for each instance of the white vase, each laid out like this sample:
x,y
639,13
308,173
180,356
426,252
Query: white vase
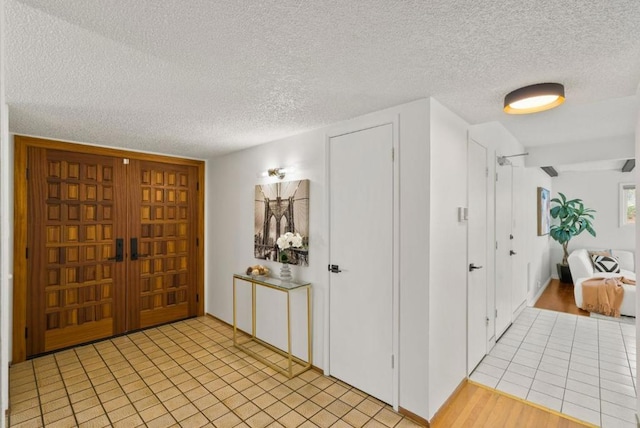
x,y
285,273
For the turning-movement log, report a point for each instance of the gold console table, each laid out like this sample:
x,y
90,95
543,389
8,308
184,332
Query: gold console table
x,y
285,287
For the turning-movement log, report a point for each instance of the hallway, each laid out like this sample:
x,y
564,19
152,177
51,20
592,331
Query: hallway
x,y
581,366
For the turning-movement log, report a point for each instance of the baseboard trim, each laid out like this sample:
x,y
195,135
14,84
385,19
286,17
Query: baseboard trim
x,y
207,314
539,293
415,418
519,309
449,400
491,344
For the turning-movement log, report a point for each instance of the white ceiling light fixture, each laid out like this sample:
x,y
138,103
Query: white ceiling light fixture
x,y
534,98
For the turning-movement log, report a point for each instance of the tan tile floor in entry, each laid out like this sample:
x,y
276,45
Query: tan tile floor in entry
x,y
184,374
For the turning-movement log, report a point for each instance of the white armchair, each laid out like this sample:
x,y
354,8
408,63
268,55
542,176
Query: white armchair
x,y
582,269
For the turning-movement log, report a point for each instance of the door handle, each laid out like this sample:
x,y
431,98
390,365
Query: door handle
x,y
473,267
334,269
119,251
134,249
512,253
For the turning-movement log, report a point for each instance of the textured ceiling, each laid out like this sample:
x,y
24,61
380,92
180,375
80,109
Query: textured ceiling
x,y
201,77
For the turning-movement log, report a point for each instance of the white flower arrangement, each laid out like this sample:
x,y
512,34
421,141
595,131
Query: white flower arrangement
x,y
287,241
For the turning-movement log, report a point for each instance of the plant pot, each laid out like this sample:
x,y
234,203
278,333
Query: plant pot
x,y
564,273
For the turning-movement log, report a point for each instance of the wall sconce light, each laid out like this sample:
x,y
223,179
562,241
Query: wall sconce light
x,y
534,98
276,172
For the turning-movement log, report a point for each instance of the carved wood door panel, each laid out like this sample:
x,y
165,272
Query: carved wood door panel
x,y
76,288
112,246
163,231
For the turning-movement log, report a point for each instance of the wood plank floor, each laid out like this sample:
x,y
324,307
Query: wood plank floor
x,y
477,406
558,296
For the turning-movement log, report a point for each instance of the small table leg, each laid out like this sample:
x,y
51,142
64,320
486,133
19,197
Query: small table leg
x,y
235,324
309,339
253,309
289,335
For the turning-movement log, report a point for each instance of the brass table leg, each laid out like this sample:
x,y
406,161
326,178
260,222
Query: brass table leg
x,y
289,335
309,340
235,323
289,372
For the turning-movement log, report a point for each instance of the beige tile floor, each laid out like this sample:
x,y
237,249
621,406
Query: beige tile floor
x,y
183,374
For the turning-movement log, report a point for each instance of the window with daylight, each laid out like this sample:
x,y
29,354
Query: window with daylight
x,y
627,204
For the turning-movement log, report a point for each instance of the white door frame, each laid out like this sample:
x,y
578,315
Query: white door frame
x,y
369,123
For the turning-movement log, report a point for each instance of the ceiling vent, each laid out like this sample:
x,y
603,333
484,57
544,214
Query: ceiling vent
x,y
629,165
551,171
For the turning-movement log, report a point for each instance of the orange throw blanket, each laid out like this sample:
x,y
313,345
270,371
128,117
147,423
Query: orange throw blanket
x,y
604,295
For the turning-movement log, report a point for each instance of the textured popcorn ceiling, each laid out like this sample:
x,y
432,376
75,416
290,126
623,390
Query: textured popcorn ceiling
x,y
202,77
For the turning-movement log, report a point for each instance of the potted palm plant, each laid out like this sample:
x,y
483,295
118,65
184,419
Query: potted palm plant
x,y
574,219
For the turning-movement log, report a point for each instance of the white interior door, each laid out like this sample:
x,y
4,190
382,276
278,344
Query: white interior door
x,y
519,274
361,244
477,255
504,275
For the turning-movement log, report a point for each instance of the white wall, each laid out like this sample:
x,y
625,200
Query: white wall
x,y
230,188
500,142
537,248
531,265
6,256
415,199
432,149
448,241
448,255
600,191
6,229
637,234
507,145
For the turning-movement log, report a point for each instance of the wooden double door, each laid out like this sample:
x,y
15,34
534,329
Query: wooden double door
x,y
112,246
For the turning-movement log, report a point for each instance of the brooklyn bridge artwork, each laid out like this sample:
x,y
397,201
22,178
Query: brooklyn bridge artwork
x,y
279,208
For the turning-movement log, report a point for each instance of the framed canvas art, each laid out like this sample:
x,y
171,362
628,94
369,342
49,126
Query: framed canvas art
x,y
279,208
544,216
